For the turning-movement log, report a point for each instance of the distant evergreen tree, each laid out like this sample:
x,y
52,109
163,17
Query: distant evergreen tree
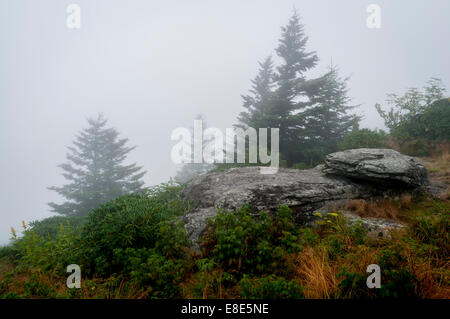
x,y
290,96
95,170
327,120
191,170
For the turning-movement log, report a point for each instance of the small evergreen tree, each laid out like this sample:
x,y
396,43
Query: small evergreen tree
x,y
95,170
328,120
257,102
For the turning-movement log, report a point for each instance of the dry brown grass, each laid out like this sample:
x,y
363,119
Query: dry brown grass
x,y
96,288
432,278
431,283
382,208
439,165
406,200
316,274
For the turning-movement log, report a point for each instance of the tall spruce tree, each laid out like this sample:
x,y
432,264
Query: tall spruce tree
x,y
257,102
95,170
327,120
290,96
312,114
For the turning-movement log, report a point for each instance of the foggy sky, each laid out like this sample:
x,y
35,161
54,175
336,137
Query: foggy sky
x,y
151,66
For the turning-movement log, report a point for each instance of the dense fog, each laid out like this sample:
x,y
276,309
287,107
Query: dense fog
x,y
153,66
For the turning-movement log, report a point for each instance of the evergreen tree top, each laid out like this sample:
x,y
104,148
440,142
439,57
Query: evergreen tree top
x,y
292,49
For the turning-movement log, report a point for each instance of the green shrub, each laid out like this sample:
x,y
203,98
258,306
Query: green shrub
x,y
5,282
146,220
137,237
394,284
49,227
270,287
397,279
308,236
399,283
36,288
340,234
11,295
434,231
421,133
148,268
42,254
9,251
364,138
433,124
245,243
353,285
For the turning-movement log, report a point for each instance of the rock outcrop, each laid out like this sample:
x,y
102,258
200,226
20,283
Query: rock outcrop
x,y
378,165
346,175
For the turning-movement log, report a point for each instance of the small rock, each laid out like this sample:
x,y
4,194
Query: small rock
x,y
377,228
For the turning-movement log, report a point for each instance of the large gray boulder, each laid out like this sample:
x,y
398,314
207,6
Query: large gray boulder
x,y
304,191
378,165
346,175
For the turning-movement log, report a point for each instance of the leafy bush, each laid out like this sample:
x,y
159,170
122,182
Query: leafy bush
x,y
403,108
353,285
395,283
364,138
35,287
49,227
418,120
41,254
270,287
340,233
136,237
11,295
148,268
308,236
135,221
420,134
244,243
45,245
8,251
433,124
434,231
